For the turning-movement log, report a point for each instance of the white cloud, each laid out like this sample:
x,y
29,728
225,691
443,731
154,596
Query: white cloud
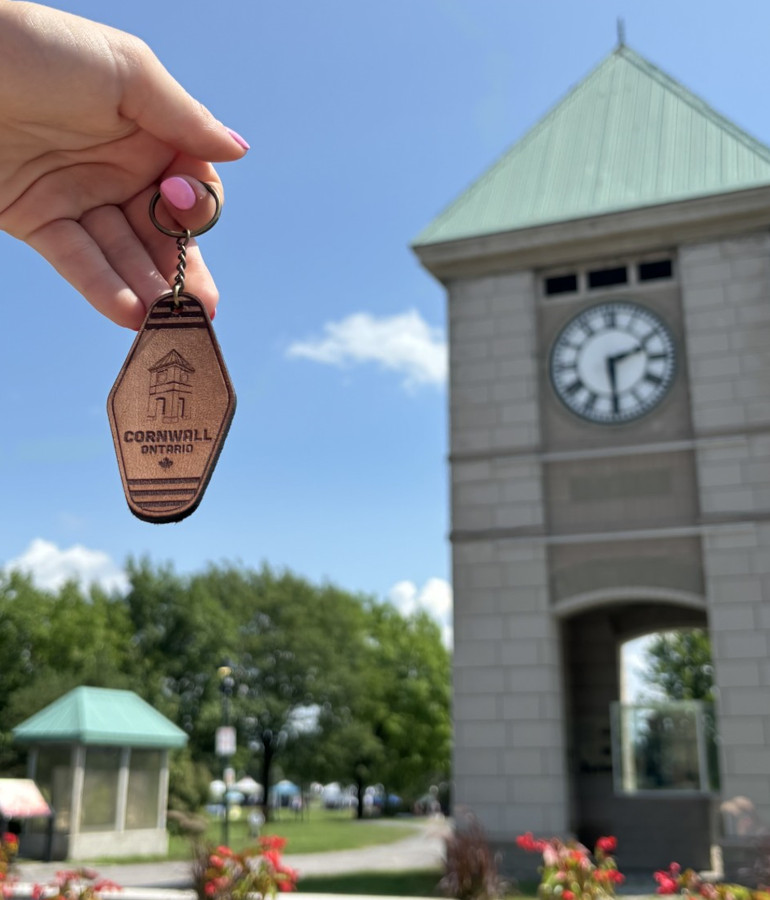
x,y
50,567
435,597
405,344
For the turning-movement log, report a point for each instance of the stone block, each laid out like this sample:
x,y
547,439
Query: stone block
x,y
480,680
477,761
529,625
476,708
519,653
520,707
737,673
742,645
485,735
751,761
534,734
743,702
533,680
751,268
473,654
534,789
735,617
715,367
706,273
742,731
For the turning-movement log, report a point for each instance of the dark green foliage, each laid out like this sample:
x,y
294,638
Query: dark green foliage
x,y
679,664
327,685
188,785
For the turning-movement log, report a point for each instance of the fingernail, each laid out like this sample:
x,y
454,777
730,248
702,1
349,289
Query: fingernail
x,y
242,142
178,192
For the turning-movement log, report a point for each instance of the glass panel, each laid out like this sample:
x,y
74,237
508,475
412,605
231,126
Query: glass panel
x,y
53,775
561,284
100,789
664,747
143,789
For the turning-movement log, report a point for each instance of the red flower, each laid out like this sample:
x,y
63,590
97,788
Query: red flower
x,y
216,861
607,844
666,884
567,895
210,889
10,838
273,857
272,842
104,884
527,842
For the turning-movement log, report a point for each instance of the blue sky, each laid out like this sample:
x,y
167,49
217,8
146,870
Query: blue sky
x,y
365,120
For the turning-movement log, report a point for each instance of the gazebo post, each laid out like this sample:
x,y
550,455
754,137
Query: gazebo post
x,y
122,803
78,778
163,790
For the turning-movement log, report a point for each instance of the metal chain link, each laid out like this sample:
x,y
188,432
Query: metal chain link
x,y
181,266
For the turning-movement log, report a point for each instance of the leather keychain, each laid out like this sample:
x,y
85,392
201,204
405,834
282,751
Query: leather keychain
x,y
172,404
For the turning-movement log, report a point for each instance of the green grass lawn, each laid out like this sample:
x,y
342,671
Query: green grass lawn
x,y
319,832
416,883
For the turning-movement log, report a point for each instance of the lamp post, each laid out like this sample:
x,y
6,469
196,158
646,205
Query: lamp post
x,y
225,741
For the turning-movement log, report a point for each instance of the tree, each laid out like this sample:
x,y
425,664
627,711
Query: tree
x,y
397,729
678,664
410,711
294,651
183,628
51,643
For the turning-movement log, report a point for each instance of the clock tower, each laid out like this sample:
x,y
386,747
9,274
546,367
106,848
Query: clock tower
x,y
608,290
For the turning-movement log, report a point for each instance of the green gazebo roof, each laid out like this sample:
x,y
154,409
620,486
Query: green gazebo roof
x,y
101,716
625,137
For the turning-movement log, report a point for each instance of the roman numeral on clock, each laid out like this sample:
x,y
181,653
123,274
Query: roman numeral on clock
x,y
573,388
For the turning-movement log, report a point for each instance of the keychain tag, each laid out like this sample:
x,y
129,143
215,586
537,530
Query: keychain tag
x,y
172,404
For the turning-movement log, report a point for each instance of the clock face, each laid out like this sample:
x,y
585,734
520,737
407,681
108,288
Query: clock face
x,y
613,362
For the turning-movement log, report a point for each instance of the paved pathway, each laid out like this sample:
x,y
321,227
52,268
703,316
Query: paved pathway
x,y
422,850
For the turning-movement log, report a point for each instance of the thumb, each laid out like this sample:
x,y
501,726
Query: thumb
x,y
161,106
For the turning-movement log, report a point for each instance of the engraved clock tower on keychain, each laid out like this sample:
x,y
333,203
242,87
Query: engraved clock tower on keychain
x,y
172,404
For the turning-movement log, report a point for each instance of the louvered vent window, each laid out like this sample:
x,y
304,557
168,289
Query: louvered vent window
x,y
583,281
599,278
655,270
561,284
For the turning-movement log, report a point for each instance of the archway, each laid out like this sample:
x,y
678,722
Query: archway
x,y
657,825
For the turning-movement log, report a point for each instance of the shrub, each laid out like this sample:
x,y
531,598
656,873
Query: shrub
x,y
471,869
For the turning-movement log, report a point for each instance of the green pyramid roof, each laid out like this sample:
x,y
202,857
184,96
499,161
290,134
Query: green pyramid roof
x,y
627,136
90,715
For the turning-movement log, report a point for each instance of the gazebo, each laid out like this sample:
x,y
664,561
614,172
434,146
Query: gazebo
x,y
100,757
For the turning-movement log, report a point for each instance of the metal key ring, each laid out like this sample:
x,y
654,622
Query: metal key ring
x,y
188,234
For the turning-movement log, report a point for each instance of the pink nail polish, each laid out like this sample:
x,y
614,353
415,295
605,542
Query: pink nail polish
x,y
178,192
242,142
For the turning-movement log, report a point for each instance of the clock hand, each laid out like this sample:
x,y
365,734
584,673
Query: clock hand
x,y
620,356
610,363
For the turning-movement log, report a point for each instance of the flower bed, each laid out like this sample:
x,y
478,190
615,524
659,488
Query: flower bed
x,y
570,872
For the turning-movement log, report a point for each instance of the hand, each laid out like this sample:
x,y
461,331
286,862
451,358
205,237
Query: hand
x,y
619,356
90,125
612,376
